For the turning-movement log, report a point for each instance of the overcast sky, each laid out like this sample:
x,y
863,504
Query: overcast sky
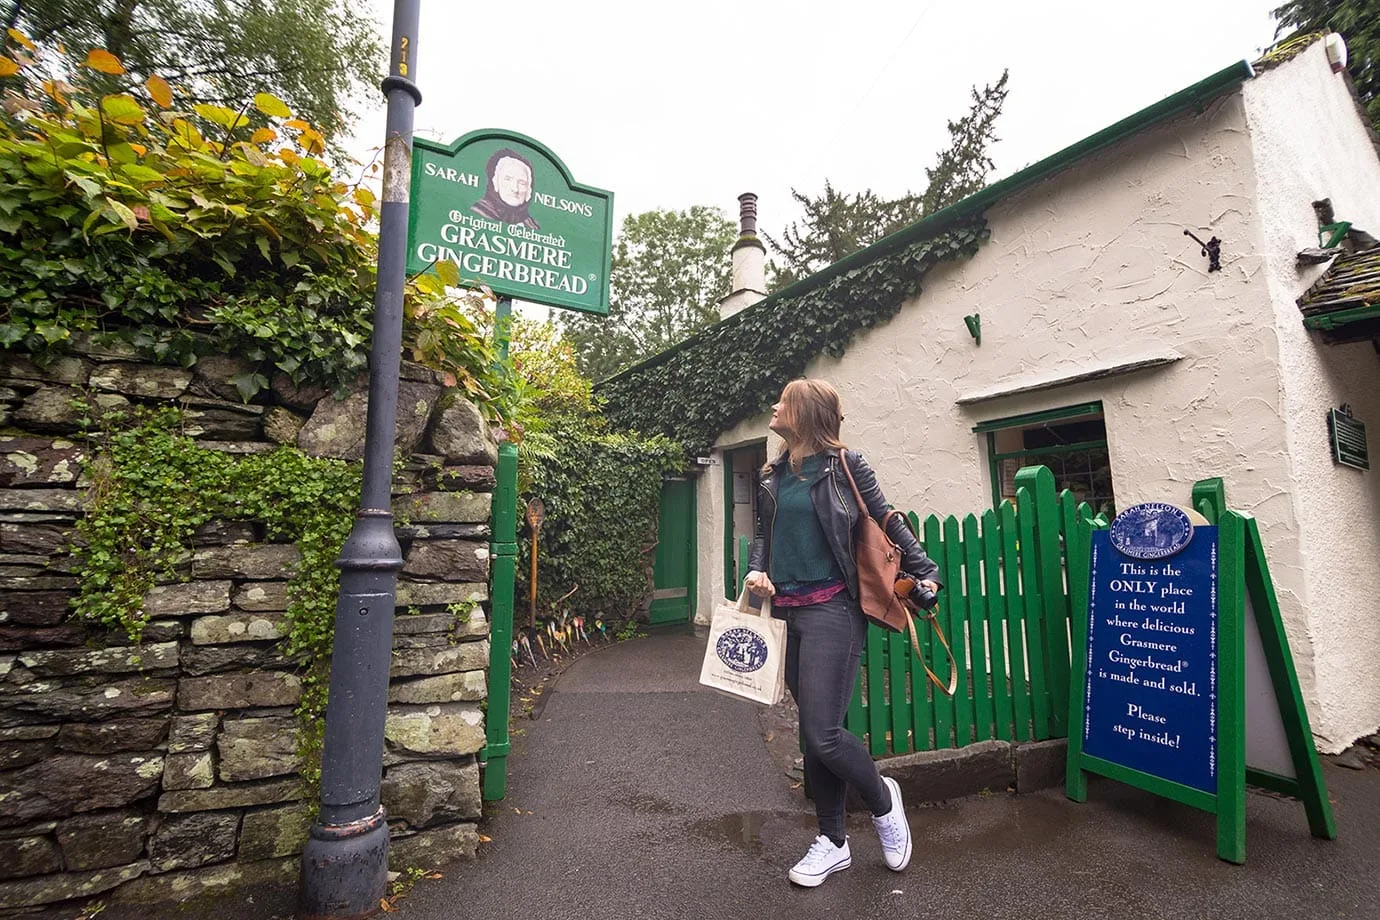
x,y
672,105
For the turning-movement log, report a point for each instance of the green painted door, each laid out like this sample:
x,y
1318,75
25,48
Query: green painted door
x,y
674,571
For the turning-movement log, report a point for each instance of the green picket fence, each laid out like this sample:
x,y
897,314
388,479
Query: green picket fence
x,y
1005,610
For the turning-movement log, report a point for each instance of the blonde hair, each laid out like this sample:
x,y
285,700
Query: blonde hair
x,y
811,412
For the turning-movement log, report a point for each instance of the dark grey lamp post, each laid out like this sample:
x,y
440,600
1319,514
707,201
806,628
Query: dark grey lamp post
x,y
345,864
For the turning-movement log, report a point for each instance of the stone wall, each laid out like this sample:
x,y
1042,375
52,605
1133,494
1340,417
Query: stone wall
x,y
171,768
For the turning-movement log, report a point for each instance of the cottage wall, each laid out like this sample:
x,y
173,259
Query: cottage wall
x,y
1308,144
1089,272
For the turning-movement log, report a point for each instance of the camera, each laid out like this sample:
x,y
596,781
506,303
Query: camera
x,y
923,597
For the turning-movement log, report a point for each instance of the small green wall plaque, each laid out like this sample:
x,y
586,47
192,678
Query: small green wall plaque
x,y
1348,438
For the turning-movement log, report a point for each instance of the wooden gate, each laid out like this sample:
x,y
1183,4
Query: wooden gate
x,y
1005,609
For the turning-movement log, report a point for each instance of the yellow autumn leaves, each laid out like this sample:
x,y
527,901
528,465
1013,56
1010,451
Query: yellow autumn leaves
x,y
123,109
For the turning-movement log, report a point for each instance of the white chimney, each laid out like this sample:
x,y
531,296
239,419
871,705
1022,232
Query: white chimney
x,y
749,262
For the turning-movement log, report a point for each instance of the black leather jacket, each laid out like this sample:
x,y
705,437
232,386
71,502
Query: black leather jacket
x,y
837,511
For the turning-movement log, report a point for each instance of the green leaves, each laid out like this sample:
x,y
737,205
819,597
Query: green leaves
x,y
182,247
122,109
271,106
218,115
601,492
154,487
668,274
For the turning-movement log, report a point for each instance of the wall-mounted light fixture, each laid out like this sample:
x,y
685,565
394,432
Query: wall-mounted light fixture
x,y
1212,249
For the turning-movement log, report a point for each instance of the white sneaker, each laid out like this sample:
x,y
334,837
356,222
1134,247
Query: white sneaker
x,y
822,861
894,830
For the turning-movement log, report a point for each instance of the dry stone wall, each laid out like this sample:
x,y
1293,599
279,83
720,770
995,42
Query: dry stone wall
x,y
171,767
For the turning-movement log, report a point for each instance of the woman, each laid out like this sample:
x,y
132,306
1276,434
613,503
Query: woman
x,y
803,560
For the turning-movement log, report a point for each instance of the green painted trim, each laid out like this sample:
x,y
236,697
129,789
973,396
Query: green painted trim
x,y
998,643
1079,538
454,147
1214,493
1338,230
1231,688
876,689
993,473
1310,786
1015,618
744,547
1036,654
503,513
1273,782
693,575
1194,96
954,613
1053,602
943,704
984,711
1035,418
1186,795
730,582
1329,321
1059,449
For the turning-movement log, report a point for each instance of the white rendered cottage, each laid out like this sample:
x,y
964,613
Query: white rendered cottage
x,y
1113,353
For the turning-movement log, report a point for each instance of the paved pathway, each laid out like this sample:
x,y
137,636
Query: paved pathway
x,y
638,795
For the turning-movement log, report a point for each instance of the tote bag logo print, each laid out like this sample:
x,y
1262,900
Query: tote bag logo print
x,y
742,650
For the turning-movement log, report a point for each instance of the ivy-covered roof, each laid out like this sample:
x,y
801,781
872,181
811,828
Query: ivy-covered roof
x,y
700,387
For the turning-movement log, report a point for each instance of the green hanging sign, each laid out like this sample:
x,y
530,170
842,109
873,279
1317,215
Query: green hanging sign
x,y
1182,683
507,212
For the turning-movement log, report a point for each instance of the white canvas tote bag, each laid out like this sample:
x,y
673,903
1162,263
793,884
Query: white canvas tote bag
x,y
746,655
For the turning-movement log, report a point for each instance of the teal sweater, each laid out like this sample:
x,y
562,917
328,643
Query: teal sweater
x,y
800,555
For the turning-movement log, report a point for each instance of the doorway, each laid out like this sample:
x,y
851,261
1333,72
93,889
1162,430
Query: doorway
x,y
673,572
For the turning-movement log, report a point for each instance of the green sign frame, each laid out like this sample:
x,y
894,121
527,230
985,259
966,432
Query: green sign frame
x,y
1244,588
508,213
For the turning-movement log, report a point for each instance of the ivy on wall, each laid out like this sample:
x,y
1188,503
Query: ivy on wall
x,y
601,491
151,488
736,368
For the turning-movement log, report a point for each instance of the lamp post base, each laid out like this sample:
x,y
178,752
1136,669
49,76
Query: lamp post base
x,y
346,866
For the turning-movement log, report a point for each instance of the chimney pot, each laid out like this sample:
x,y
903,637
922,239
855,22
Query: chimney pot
x,y
747,214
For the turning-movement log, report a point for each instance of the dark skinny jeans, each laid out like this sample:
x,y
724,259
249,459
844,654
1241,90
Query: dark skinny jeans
x,y
823,647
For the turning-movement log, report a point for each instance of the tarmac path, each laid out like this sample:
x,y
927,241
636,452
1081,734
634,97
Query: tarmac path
x,y
636,794
639,795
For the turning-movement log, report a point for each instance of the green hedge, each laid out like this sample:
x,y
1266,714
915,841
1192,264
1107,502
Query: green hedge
x,y
601,491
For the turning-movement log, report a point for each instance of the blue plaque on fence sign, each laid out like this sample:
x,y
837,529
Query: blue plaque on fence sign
x,y
1152,660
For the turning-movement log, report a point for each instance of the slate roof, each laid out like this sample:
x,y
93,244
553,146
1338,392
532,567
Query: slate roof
x,y
1352,281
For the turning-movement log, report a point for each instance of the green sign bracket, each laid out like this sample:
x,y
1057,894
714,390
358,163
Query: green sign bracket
x,y
508,213
1249,625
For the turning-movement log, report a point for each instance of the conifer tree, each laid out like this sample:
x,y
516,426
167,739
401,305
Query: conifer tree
x,y
837,224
